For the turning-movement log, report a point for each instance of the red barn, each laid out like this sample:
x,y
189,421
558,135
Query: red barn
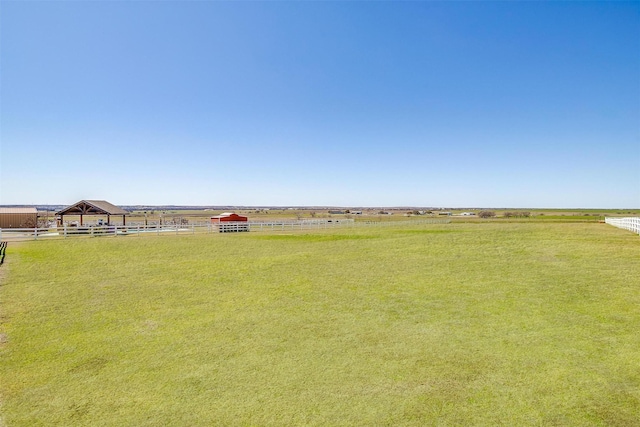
x,y
228,217
229,222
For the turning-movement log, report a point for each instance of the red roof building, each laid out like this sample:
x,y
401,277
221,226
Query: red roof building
x,y
228,217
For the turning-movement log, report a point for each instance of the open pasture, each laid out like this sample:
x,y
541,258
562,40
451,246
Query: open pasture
x,y
457,324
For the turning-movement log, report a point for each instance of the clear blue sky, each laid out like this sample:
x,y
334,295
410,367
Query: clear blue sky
x,y
453,104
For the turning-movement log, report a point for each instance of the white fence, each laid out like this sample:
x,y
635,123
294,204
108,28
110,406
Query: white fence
x,y
629,223
17,234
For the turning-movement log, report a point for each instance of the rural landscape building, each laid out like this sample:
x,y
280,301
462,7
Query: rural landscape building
x,y
228,217
92,207
229,222
18,217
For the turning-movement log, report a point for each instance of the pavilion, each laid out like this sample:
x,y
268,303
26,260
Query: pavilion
x,y
92,207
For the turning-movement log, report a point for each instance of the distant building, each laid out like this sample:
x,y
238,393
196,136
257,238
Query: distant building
x,y
230,222
94,208
18,217
228,217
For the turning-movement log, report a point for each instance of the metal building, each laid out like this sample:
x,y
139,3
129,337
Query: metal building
x,y
228,217
18,217
230,222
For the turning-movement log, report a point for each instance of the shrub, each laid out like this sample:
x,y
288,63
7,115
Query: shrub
x,y
486,214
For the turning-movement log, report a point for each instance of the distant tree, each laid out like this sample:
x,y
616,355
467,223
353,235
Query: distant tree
x,y
486,214
313,214
507,214
29,223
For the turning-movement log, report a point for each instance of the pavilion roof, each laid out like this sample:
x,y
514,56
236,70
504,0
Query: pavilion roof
x,y
92,207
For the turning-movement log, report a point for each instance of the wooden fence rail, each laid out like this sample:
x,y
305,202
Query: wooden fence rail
x,y
628,223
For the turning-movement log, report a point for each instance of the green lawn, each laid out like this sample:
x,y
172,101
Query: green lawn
x,y
490,323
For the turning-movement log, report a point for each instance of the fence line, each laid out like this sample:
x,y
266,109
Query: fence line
x,y
628,223
17,234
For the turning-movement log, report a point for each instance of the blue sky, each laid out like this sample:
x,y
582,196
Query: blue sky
x,y
452,104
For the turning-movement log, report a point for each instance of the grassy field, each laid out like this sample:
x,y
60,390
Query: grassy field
x,y
490,323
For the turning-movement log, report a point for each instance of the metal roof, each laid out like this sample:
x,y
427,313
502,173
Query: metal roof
x,y
227,216
92,207
18,211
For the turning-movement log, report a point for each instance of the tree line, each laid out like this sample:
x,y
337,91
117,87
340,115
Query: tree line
x,y
491,214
